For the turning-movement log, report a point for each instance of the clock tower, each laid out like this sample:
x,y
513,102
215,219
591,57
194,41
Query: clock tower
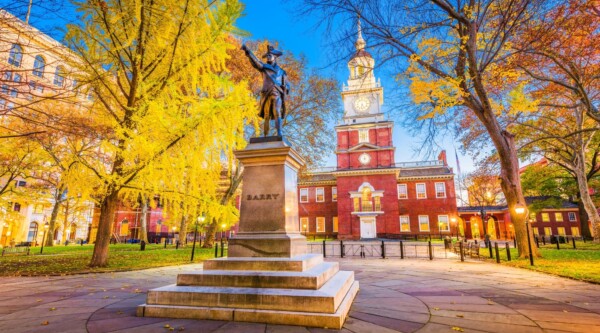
x,y
365,138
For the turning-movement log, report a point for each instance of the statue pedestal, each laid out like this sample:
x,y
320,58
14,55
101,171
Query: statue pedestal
x,y
268,276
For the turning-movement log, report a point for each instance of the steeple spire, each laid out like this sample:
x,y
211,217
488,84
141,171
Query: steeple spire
x,y
360,42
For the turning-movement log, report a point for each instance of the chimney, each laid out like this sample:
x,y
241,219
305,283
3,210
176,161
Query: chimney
x,y
442,157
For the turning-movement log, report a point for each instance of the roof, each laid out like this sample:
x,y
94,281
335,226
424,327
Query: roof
x,y
564,204
418,172
361,53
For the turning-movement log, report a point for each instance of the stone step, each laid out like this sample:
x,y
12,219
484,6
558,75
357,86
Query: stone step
x,y
300,318
312,278
296,264
325,299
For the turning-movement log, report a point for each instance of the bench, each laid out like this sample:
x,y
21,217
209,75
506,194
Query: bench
x,y
15,250
474,250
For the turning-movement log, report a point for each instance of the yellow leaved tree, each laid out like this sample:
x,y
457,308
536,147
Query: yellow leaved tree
x,y
167,112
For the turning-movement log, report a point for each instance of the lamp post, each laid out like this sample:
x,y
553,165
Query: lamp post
x,y
46,226
198,221
304,228
174,229
520,210
222,232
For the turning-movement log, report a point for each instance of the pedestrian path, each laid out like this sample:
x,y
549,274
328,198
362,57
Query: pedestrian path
x,y
395,296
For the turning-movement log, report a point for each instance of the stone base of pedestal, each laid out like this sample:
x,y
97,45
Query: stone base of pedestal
x,y
303,290
266,245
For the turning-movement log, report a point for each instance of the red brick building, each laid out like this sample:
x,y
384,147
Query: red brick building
x,y
368,194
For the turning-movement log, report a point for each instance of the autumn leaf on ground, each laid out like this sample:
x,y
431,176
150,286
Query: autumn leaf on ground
x,y
52,309
167,326
456,328
436,308
45,323
460,316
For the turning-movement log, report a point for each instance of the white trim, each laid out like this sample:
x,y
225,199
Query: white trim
x,y
447,223
304,190
317,224
424,190
436,189
405,191
428,224
322,189
574,219
407,222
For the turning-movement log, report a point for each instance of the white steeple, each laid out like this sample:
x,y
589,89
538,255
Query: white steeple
x,y
360,42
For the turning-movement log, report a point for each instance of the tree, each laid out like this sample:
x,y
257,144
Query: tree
x,y
452,49
559,54
153,67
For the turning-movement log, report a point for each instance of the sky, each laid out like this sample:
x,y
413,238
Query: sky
x,y
275,20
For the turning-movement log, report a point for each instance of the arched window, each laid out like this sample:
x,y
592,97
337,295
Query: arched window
x,y
59,76
16,55
33,230
39,65
367,204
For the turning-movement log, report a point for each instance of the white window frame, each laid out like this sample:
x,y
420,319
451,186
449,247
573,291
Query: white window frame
x,y
424,190
400,192
322,190
404,220
363,135
334,193
440,217
574,217
305,190
317,224
420,223
303,222
443,187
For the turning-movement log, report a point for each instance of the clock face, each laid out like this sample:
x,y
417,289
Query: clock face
x,y
364,158
361,104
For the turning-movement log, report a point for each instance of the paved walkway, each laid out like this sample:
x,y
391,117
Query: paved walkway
x,y
395,296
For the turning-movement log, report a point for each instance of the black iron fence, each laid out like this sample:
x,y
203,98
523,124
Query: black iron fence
x,y
383,249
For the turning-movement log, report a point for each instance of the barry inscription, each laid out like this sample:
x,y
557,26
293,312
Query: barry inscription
x,y
262,197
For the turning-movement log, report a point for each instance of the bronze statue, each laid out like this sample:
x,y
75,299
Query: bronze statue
x,y
274,90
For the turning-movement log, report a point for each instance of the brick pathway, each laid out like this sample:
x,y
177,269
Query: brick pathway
x,y
395,296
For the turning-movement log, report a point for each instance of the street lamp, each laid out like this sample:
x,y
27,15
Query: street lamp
x,y
304,228
46,226
200,220
520,210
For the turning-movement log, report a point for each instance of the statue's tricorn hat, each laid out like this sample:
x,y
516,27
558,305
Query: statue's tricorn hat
x,y
271,50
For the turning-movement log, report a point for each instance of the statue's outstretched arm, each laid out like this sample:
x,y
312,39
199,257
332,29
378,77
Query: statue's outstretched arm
x,y
253,59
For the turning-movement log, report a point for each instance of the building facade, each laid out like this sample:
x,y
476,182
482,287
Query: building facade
x,y
368,195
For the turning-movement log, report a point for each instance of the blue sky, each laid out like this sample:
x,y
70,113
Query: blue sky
x,y
274,20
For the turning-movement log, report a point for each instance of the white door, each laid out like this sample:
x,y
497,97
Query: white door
x,y
367,227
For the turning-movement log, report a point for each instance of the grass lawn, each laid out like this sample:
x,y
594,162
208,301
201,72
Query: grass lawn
x,y
582,263
74,259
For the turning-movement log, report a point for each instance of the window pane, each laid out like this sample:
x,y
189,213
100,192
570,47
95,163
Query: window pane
x,y
320,224
15,56
443,223
304,224
404,224
59,78
575,231
402,191
303,195
545,217
363,135
440,190
572,217
320,194
558,217
561,231
421,194
335,224
423,223
334,194
38,66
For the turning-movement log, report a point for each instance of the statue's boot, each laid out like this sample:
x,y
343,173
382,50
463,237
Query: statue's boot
x,y
278,125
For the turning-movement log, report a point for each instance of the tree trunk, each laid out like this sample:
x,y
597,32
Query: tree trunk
x,y
144,222
52,223
586,199
108,207
211,230
65,222
583,218
183,231
510,182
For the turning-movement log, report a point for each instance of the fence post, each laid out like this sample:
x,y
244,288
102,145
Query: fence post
x,y
490,248
177,245
166,242
216,250
573,238
537,241
401,250
462,252
557,242
382,250
507,251
222,247
497,252
430,251
342,250
324,253
362,251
